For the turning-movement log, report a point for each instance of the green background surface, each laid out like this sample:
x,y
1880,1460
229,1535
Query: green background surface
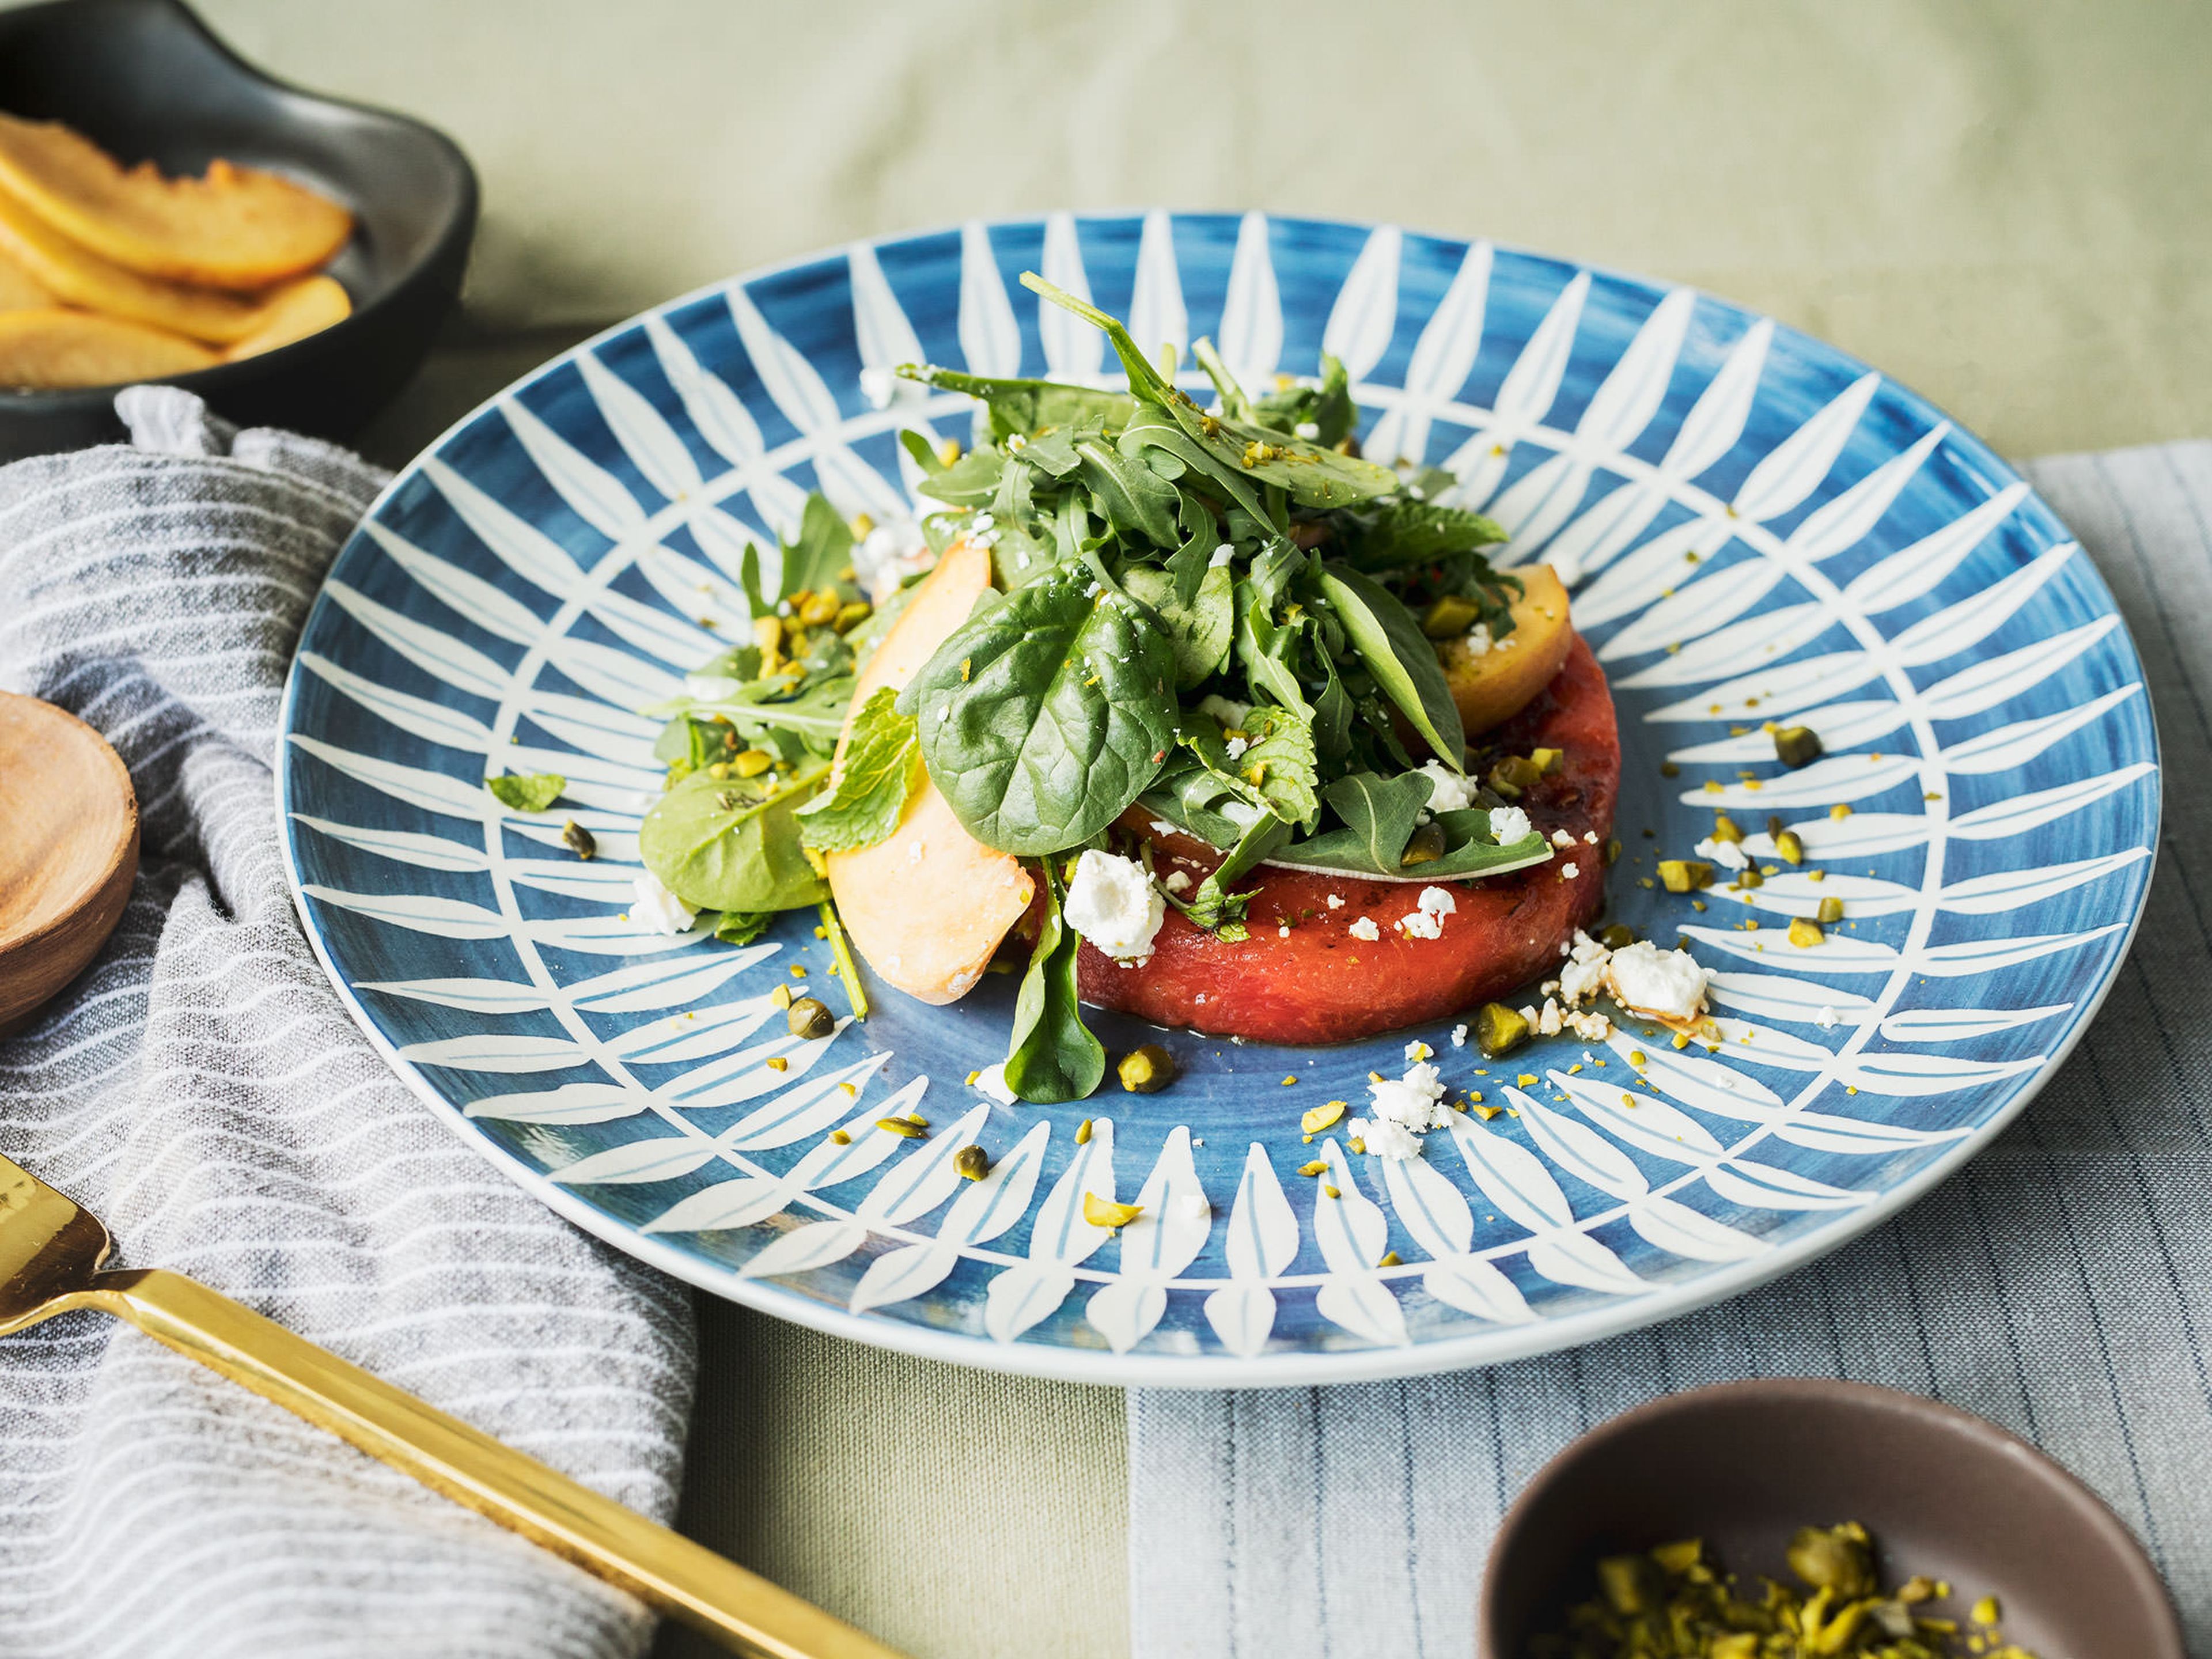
x,y
2006,206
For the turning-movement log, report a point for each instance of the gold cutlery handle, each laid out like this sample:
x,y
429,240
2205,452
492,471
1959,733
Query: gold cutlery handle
x,y
599,1534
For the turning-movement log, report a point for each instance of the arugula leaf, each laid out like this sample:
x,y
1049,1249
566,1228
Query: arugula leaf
x,y
1400,657
526,792
1189,563
1379,814
1203,628
1312,476
1234,401
971,481
1051,1056
823,549
732,843
815,712
1328,407
1133,496
1415,532
1211,905
1043,718
868,791
1028,407
743,926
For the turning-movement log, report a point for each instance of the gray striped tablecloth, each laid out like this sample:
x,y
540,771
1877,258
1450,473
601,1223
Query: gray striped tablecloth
x,y
2061,1285
202,1091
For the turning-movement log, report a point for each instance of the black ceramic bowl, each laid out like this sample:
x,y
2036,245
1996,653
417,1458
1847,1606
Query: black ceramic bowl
x,y
145,80
1743,1465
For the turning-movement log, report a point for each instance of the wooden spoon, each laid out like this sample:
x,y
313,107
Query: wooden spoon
x,y
68,850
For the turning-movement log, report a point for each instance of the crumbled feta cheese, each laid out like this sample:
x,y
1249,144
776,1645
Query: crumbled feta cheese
x,y
1418,1049
1590,837
1094,590
985,521
1591,1027
886,555
1568,871
992,1080
878,386
1336,901
1162,827
1177,881
1384,1138
1584,974
1283,931
1309,430
1478,641
1113,903
1222,554
1236,747
1459,1037
1548,1022
1561,838
1226,712
1402,1109
1664,984
1438,901
1193,1207
1419,924
1509,824
1365,928
657,908
1728,854
1827,1019
1241,813
1448,791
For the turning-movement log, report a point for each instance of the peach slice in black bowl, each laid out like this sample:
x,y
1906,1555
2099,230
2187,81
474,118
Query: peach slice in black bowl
x,y
1742,1465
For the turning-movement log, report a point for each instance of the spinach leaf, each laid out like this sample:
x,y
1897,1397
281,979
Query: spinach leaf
x,y
526,792
1203,629
743,926
1051,1056
868,791
1400,657
1408,532
1044,717
1028,407
823,550
732,843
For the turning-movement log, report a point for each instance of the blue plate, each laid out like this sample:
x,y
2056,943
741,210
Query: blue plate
x,y
1756,528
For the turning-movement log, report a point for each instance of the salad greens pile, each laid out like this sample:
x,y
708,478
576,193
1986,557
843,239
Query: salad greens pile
x,y
1223,616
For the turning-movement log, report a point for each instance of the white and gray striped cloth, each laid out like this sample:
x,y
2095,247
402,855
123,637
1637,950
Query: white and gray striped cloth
x,y
2061,1285
204,1092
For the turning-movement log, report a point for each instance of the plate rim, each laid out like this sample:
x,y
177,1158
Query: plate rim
x,y
1352,1362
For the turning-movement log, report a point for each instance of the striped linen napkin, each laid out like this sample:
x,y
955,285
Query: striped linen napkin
x,y
2061,1285
204,1092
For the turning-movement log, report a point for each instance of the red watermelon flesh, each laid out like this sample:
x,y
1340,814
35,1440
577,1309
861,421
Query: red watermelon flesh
x,y
1319,983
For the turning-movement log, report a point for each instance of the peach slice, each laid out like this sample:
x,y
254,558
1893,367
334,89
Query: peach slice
x,y
237,227
294,312
928,905
1492,687
21,291
47,350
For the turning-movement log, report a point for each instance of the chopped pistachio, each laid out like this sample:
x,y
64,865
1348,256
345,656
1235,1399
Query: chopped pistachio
x,y
1616,936
1546,761
1147,1071
1796,745
1104,1213
1499,1029
1725,829
1449,616
907,1128
1832,910
1083,1133
579,840
1685,875
1789,849
972,1161
1320,1117
1425,846
810,1017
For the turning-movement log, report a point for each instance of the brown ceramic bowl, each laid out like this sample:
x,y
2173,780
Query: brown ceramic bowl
x,y
1744,1464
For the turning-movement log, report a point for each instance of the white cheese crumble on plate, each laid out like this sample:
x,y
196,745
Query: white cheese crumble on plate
x,y
655,908
1113,904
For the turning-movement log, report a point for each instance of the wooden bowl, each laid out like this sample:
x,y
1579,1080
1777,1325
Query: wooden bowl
x,y
1743,1465
68,850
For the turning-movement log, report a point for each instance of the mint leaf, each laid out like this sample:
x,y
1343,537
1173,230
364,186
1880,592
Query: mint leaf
x,y
526,792
882,764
